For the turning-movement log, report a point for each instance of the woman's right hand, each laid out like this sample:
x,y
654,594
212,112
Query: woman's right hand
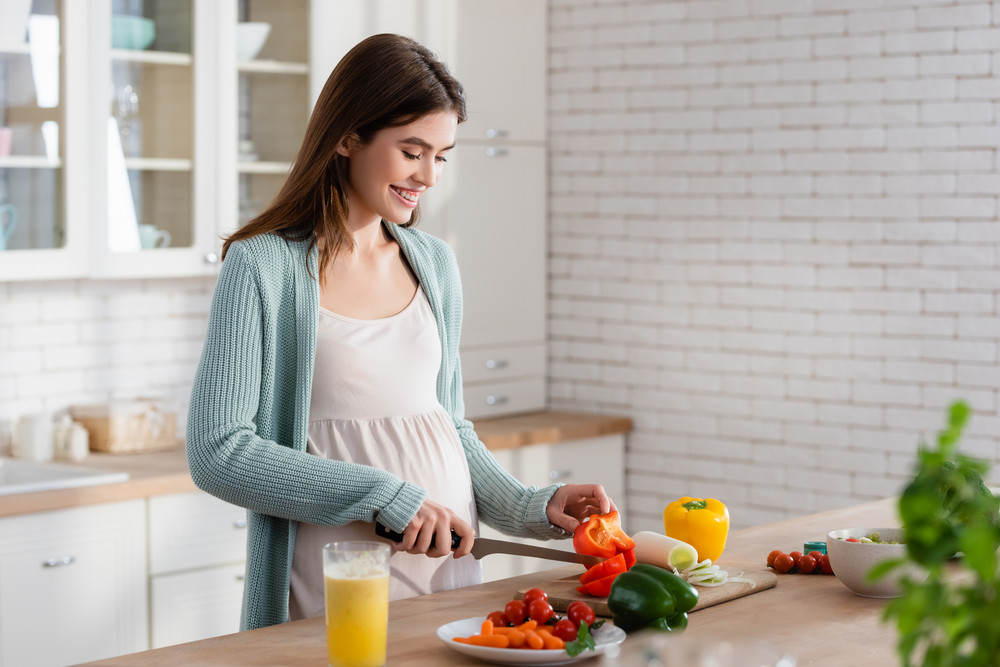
x,y
436,521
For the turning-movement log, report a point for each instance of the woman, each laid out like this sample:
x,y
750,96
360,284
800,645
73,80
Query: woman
x,y
329,394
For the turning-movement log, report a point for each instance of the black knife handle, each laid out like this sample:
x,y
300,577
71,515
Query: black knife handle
x,y
382,531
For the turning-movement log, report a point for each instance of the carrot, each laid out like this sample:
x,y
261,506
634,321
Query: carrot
x,y
550,640
493,641
516,636
533,639
487,628
530,624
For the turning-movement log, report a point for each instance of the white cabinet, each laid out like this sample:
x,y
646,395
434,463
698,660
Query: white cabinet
x,y
197,547
490,204
598,460
74,585
138,135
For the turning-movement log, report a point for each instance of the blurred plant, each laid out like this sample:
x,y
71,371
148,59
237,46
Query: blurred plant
x,y
948,513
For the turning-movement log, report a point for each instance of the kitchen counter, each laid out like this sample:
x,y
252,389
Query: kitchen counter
x,y
159,473
814,617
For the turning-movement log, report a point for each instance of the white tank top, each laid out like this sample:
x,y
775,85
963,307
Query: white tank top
x,y
374,402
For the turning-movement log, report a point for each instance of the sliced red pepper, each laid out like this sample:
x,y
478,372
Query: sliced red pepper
x,y
601,536
600,588
629,557
614,565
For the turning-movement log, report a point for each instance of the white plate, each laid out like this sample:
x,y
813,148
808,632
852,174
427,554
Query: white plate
x,y
604,636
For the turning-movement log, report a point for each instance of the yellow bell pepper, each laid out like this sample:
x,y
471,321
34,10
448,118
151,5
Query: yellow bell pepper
x,y
701,522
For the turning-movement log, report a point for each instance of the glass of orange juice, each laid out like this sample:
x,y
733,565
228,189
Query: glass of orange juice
x,y
356,576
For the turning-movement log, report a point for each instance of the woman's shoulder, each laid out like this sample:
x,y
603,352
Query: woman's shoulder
x,y
268,244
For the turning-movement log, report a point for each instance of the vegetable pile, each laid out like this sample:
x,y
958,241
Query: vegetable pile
x,y
531,623
648,596
602,536
814,562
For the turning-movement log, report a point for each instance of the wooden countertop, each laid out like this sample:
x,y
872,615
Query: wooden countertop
x,y
813,617
160,473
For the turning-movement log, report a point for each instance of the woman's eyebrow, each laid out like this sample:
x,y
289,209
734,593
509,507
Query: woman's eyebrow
x,y
417,141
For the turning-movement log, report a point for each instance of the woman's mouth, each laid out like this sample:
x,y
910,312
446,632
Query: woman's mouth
x,y
408,197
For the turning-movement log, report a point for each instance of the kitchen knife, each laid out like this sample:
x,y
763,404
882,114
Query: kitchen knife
x,y
484,546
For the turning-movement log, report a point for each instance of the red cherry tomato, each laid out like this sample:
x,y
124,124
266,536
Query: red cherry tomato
x,y
565,630
580,612
771,556
497,619
516,611
815,554
824,564
783,563
852,539
540,611
534,594
796,555
806,564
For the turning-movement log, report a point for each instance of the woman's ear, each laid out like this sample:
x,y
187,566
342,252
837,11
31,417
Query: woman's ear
x,y
347,144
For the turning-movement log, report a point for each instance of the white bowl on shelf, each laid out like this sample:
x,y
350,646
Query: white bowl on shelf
x,y
250,38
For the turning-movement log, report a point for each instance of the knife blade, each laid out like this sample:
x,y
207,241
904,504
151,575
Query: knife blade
x,y
484,546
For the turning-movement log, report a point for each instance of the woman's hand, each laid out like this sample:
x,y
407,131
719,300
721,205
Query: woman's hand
x,y
436,521
572,503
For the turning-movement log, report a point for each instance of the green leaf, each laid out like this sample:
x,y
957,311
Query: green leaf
x,y
584,640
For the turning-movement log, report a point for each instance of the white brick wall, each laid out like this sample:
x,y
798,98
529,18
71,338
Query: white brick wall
x,y
67,342
774,240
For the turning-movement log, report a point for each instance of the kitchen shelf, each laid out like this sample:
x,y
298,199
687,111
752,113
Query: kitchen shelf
x,y
158,164
272,67
29,162
264,167
152,57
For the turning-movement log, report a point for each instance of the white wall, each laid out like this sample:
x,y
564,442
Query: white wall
x,y
774,240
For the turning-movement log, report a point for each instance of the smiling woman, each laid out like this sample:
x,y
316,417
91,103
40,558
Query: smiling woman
x,y
328,396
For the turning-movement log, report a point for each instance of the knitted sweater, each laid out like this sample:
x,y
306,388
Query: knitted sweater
x,y
249,413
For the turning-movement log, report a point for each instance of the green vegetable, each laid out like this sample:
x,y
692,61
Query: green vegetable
x,y
584,640
649,596
946,509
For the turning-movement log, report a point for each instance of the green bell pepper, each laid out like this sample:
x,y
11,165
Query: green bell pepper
x,y
649,596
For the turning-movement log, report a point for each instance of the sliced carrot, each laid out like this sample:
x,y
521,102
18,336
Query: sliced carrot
x,y
493,641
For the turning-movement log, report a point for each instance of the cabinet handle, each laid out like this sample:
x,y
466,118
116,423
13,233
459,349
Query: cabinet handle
x,y
58,562
496,400
496,152
560,474
240,523
211,258
496,133
240,577
496,364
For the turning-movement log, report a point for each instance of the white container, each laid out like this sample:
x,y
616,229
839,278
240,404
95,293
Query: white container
x,y
250,38
14,27
33,438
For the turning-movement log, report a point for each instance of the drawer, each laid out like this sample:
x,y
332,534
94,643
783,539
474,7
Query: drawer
x,y
192,530
196,605
499,363
494,399
590,461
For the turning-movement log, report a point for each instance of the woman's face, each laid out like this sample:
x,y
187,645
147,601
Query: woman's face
x,y
390,173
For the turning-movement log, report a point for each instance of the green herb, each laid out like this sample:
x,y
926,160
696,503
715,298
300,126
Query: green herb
x,y
584,640
949,619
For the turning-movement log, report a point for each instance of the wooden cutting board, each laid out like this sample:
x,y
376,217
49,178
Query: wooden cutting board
x,y
563,591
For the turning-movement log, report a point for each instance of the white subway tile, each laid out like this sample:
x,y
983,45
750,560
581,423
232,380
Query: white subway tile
x,y
958,16
924,41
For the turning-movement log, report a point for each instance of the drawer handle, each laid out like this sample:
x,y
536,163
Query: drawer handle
x,y
496,133
59,562
240,523
496,400
560,474
496,364
240,577
496,152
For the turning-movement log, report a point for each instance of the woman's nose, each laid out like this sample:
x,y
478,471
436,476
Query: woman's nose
x,y
428,172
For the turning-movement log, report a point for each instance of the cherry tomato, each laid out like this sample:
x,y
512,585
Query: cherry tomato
x,y
824,564
782,564
516,611
565,630
796,555
534,594
815,554
497,619
580,612
540,611
806,564
771,556
852,539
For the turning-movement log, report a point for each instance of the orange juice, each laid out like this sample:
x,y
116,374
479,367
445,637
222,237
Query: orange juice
x,y
357,619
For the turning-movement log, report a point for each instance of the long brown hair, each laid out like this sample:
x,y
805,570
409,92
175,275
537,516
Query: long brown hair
x,y
384,81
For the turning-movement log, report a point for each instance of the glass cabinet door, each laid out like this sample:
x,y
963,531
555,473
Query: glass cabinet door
x,y
272,60
32,115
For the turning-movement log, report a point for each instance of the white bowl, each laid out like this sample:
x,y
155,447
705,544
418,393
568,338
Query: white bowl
x,y
852,561
250,38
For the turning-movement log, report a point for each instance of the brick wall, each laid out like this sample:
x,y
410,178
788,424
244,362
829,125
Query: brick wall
x,y
774,240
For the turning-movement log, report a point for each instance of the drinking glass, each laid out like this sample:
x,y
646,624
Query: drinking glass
x,y
356,582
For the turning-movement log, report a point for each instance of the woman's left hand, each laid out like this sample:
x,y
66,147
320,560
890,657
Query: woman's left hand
x,y
572,503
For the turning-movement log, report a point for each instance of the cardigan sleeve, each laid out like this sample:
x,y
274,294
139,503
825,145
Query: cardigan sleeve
x,y
227,455
502,501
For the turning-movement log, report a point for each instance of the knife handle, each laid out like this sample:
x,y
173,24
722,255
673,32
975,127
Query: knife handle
x,y
382,531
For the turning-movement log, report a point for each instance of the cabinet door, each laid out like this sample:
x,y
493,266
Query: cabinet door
x,y
496,225
196,605
192,530
74,585
501,57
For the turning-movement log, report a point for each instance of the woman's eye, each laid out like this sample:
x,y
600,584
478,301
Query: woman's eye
x,y
410,156
440,158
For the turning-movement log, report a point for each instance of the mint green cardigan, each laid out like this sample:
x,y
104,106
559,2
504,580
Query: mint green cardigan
x,y
249,413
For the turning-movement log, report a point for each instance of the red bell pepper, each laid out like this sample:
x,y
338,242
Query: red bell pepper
x,y
600,588
602,536
614,565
